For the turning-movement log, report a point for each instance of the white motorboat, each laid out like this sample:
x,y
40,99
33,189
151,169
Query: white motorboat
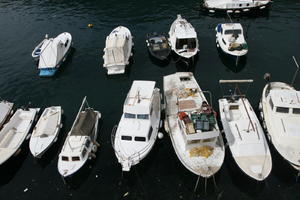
x,y
81,142
5,111
230,38
118,50
15,132
137,131
53,52
280,106
46,131
235,6
244,134
192,125
183,38
37,50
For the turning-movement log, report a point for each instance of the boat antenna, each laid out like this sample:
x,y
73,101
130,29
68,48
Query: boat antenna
x,y
295,75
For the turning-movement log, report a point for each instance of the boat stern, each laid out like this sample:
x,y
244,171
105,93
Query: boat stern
x,y
47,72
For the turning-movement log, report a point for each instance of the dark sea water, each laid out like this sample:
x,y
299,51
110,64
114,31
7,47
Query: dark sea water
x,y
273,39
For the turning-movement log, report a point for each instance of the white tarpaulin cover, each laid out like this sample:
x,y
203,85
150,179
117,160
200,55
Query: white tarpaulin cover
x,y
115,50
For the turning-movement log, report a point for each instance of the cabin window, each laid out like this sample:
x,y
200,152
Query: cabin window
x,y
296,110
271,104
282,110
223,41
240,5
65,158
143,116
126,137
185,78
140,139
150,132
189,43
83,152
75,158
233,31
129,115
247,4
87,143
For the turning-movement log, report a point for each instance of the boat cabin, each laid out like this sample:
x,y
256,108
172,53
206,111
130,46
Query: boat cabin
x,y
159,43
285,101
81,137
78,146
137,111
186,36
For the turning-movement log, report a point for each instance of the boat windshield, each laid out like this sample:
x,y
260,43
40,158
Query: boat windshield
x,y
233,31
282,110
129,115
126,137
144,116
186,43
65,158
296,110
139,139
75,158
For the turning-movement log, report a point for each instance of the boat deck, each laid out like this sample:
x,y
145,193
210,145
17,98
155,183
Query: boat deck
x,y
204,166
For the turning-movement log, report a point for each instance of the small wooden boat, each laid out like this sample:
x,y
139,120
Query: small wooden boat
x,y
81,142
244,134
15,132
158,46
53,53
183,38
137,131
46,131
230,38
192,125
118,50
235,6
5,111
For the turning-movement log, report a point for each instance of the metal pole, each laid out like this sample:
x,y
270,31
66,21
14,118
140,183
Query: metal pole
x,y
295,75
195,188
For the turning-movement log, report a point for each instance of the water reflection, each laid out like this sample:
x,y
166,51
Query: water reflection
x,y
233,64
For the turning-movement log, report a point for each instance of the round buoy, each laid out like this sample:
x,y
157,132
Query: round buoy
x,y
160,135
90,25
267,76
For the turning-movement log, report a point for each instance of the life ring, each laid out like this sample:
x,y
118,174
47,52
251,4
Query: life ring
x,y
94,148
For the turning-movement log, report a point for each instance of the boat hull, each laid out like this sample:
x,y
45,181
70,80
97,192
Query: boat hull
x,y
115,64
38,145
49,70
130,153
249,148
13,137
201,165
284,149
242,9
